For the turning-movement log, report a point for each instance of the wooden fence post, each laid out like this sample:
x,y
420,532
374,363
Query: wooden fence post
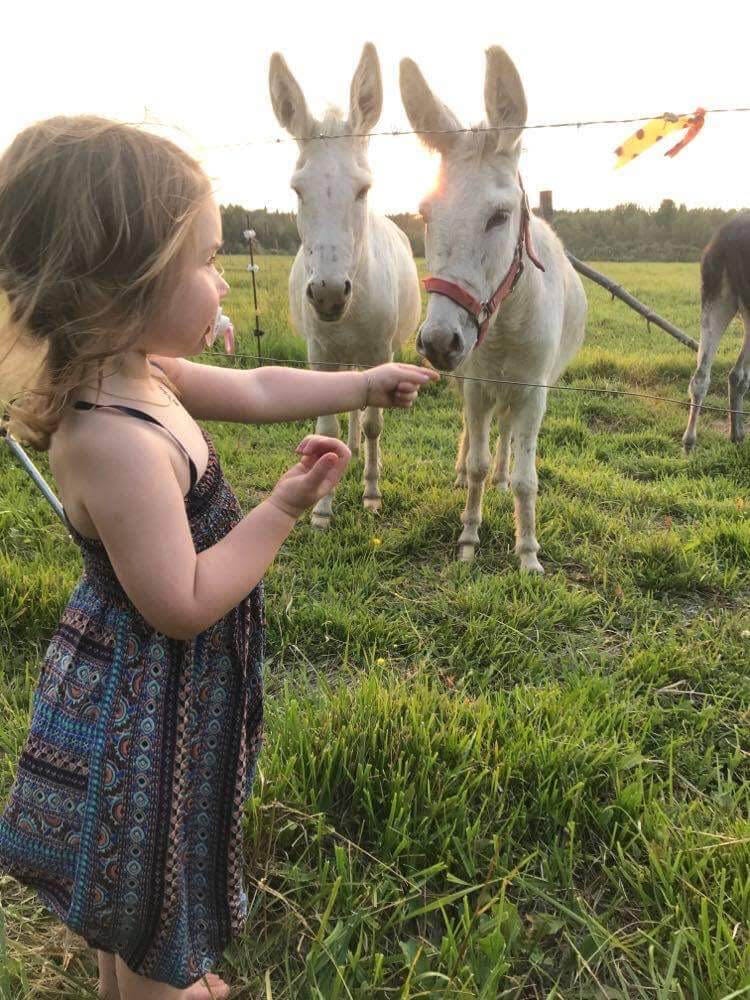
x,y
545,206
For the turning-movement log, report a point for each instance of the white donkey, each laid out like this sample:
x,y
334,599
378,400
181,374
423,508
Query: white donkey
x,y
492,314
353,288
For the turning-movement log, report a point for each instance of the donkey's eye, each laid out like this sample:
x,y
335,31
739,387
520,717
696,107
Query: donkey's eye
x,y
499,218
362,194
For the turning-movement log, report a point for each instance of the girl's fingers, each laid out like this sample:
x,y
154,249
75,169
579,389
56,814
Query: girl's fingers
x,y
326,473
322,469
316,445
406,393
420,375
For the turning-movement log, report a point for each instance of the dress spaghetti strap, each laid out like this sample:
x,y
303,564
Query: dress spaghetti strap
x,y
82,404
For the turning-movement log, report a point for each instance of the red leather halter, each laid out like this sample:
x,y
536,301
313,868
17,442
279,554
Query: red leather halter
x,y
483,312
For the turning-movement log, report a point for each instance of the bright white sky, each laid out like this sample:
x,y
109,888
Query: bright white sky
x,y
203,67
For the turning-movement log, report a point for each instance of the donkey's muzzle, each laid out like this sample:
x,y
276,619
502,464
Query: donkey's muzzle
x,y
443,346
329,298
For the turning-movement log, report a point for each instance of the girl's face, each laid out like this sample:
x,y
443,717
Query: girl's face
x,y
200,289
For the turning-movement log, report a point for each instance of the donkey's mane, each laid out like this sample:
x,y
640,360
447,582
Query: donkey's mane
x,y
474,145
334,123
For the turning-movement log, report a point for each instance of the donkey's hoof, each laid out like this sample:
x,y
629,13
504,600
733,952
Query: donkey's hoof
x,y
373,503
688,445
461,480
320,521
530,563
466,551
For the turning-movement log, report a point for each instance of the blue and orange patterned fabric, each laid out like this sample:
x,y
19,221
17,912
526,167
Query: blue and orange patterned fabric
x,y
126,808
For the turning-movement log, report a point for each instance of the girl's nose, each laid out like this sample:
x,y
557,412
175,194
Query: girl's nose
x,y
223,288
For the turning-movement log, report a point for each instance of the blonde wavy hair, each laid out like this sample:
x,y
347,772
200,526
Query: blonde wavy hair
x,y
95,217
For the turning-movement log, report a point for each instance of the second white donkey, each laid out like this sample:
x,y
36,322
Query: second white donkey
x,y
505,302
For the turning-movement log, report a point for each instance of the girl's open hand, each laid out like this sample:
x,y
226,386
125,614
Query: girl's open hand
x,y
396,384
323,461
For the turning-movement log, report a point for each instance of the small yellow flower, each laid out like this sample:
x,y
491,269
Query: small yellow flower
x,y
376,541
380,662
739,503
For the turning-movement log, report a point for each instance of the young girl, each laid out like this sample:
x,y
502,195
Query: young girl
x,y
126,810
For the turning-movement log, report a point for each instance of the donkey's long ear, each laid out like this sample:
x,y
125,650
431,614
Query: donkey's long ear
x,y
288,101
504,98
429,117
366,93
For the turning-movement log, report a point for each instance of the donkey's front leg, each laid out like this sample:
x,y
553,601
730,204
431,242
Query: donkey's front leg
x,y
354,435
463,448
329,426
739,383
477,417
321,512
716,316
501,469
526,420
373,428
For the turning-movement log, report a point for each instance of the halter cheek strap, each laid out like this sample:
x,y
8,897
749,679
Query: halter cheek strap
x,y
483,312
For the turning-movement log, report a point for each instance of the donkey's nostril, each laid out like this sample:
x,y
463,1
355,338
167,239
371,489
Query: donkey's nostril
x,y
347,287
419,344
309,292
456,343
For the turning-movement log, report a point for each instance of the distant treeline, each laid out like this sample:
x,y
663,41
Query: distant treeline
x,y
626,232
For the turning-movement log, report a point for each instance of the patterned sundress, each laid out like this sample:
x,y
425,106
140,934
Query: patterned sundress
x,y
125,815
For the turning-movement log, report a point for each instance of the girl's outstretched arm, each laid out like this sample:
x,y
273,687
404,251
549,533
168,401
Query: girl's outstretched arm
x,y
270,394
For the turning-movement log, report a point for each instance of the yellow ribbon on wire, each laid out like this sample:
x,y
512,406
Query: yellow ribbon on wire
x,y
655,130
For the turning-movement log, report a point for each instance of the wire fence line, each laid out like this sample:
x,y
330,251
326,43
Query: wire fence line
x,y
468,130
292,362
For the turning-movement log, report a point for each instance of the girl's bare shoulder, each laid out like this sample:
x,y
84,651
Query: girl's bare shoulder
x,y
96,447
82,434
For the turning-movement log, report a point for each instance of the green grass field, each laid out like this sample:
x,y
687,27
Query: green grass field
x,y
476,783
